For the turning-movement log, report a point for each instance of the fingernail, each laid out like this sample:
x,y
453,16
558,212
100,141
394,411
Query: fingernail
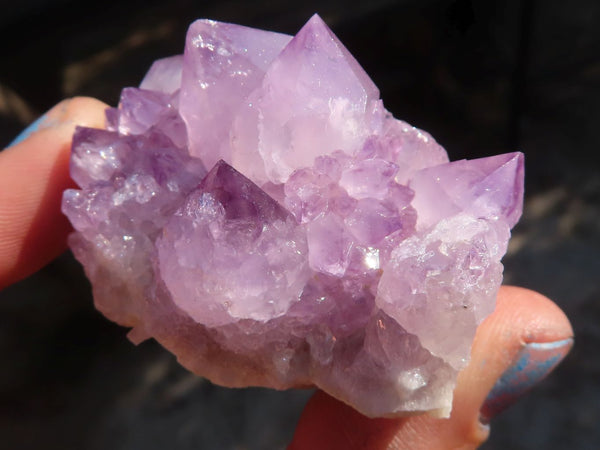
x,y
532,363
32,128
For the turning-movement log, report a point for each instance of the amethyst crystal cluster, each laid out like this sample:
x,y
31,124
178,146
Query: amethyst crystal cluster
x,y
254,208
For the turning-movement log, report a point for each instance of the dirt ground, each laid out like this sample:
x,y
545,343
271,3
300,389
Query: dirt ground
x,y
483,76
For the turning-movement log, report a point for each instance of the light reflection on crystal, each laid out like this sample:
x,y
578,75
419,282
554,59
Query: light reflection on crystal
x,y
371,258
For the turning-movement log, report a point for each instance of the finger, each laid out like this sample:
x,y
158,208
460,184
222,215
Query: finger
x,y
521,317
33,174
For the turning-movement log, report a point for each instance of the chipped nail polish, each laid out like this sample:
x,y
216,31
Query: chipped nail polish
x,y
532,363
32,128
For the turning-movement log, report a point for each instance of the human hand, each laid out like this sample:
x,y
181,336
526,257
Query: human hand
x,y
523,339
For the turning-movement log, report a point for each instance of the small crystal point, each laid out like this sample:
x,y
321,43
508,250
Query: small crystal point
x,y
140,110
164,75
489,187
240,197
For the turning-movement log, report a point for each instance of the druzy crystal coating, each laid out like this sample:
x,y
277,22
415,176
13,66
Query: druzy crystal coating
x,y
254,208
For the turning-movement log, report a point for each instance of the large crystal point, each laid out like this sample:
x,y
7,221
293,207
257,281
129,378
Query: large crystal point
x,y
314,99
223,63
328,243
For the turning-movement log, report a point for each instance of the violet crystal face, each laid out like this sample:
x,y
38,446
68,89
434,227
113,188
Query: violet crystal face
x,y
255,209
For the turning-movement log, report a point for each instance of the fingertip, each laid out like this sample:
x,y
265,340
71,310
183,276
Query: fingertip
x,y
79,111
532,315
515,348
60,121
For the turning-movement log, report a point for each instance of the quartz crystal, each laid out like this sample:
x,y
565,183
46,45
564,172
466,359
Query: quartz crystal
x,y
255,209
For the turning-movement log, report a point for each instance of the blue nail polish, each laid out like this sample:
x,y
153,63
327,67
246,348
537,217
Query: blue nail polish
x,y
533,362
27,131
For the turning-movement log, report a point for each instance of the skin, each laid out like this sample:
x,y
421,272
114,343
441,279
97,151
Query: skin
x,y
33,175
33,231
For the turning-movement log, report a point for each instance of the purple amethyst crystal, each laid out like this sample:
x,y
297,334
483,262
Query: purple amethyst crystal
x,y
254,208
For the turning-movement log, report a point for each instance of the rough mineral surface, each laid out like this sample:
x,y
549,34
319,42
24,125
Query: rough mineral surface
x,y
254,208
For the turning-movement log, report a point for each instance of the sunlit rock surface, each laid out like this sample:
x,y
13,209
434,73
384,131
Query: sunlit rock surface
x,y
254,208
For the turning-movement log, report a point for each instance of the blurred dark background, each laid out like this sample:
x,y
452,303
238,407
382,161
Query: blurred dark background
x,y
483,76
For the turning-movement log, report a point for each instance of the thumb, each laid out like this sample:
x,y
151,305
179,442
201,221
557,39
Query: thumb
x,y
520,343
